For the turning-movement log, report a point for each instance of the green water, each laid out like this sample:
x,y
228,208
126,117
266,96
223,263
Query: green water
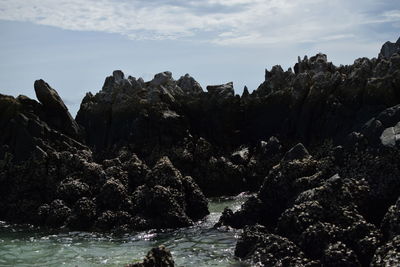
x,y
199,245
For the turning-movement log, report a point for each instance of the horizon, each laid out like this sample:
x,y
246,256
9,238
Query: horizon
x,y
75,45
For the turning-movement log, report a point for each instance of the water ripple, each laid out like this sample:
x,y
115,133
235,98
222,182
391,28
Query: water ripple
x,y
198,245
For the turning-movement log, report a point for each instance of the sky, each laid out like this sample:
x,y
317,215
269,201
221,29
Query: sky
x,y
75,44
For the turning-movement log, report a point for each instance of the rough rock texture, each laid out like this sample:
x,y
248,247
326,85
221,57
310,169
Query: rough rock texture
x,y
389,48
388,254
330,217
319,145
156,257
49,178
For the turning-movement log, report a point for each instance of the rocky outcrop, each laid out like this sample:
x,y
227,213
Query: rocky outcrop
x,y
56,112
49,178
326,208
389,48
144,155
156,257
221,91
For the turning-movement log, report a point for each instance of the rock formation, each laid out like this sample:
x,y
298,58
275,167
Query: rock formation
x,y
320,146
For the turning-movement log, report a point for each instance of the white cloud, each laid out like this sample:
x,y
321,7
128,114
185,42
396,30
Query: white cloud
x,y
223,22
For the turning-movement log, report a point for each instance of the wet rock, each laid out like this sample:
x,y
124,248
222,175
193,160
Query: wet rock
x,y
83,214
57,213
156,257
259,246
196,202
161,206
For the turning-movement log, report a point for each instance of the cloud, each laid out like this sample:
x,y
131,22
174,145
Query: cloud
x,y
222,22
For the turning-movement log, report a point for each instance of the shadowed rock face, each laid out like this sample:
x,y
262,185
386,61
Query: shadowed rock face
x,y
389,48
56,112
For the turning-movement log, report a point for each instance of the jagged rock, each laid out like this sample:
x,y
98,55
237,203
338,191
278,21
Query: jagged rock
x,y
157,257
161,78
221,91
389,48
298,152
189,85
245,93
56,111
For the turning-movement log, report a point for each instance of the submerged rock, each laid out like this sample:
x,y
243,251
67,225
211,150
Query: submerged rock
x,y
157,257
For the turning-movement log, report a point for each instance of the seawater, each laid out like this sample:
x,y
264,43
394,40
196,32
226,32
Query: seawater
x,y
198,245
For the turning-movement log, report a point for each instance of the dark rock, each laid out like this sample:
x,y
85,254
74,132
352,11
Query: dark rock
x,y
339,255
388,254
221,91
161,78
71,190
245,93
240,156
56,111
259,246
161,206
189,85
196,202
271,147
389,48
156,257
298,152
57,215
390,225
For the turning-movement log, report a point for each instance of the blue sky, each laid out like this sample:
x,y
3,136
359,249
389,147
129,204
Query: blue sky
x,y
75,44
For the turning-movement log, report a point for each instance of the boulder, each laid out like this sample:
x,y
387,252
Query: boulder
x,y
391,136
